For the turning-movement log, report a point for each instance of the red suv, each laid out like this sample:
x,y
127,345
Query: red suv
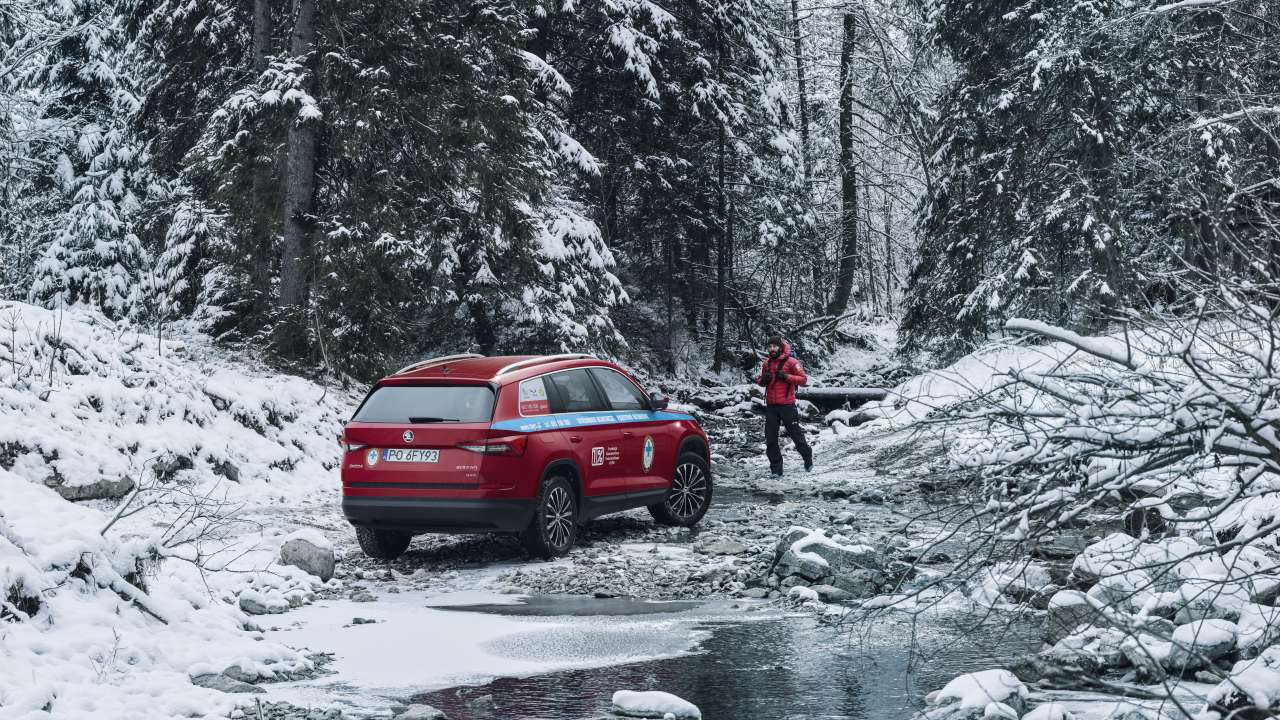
x,y
534,445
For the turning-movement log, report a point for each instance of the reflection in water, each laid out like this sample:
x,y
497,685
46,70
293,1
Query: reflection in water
x,y
789,668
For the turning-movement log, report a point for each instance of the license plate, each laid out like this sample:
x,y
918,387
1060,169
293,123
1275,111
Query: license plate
x,y
410,455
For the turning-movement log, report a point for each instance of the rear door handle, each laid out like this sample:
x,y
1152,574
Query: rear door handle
x,y
575,438
627,434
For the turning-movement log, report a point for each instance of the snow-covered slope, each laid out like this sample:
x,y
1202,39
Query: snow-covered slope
x,y
92,408
179,461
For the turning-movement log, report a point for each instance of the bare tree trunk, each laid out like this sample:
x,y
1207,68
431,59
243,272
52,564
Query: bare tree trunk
x,y
888,252
264,194
803,100
722,224
299,199
848,177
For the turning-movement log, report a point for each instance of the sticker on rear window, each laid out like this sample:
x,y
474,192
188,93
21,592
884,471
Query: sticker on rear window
x,y
533,397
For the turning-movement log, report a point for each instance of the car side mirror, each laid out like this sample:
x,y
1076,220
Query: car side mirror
x,y
657,401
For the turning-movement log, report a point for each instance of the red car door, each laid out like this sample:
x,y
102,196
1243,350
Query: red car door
x,y
648,450
588,426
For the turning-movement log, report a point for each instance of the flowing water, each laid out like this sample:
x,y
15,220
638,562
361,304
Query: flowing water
x,y
781,667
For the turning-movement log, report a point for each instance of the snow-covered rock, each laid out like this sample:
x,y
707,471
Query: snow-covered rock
x,y
311,551
814,555
977,691
421,712
1257,628
654,704
1253,683
1093,650
1068,610
1010,581
1199,643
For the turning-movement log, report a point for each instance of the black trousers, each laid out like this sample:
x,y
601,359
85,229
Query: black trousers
x,y
788,416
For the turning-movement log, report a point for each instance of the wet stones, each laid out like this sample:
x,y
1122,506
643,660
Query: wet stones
x,y
720,546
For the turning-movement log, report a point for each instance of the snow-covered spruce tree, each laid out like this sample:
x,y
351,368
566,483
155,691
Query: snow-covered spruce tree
x,y
94,256
442,216
700,170
205,66
1075,138
25,206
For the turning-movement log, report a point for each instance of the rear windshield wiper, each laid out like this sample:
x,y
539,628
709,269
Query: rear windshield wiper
x,y
417,419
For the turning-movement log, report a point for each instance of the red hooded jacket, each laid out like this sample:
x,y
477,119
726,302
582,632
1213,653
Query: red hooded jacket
x,y
787,376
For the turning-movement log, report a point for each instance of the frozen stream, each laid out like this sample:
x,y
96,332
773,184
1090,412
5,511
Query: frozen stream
x,y
553,658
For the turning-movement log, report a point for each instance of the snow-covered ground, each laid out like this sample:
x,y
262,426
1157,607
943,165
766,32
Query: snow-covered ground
x,y
190,469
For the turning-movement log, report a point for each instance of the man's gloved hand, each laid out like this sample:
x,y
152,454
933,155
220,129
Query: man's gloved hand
x,y
766,378
783,377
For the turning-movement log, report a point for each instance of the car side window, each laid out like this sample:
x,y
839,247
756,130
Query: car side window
x,y
620,392
573,391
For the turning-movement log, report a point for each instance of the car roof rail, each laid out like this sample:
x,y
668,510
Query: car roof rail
x,y
522,364
435,361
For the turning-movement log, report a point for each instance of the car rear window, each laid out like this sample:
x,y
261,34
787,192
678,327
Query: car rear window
x,y
421,403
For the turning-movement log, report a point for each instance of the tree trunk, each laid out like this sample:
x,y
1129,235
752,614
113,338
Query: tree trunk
x,y
722,224
848,178
299,199
803,100
264,194
888,253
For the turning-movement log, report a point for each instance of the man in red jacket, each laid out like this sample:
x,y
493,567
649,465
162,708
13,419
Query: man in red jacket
x,y
780,375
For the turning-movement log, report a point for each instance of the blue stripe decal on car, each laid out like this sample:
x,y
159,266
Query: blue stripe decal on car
x,y
587,419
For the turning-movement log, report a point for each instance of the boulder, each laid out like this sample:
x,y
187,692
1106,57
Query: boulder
x,y
310,551
100,489
1252,690
1196,644
1094,650
421,712
166,469
832,594
1113,554
860,583
223,683
802,565
979,691
720,546
1148,654
1068,609
255,603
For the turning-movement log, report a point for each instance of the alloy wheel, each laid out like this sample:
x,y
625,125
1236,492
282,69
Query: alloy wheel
x,y
558,517
688,491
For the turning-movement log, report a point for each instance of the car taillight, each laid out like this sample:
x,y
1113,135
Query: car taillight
x,y
348,446
511,445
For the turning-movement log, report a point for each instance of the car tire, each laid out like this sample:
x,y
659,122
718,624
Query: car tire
x,y
382,544
554,526
690,494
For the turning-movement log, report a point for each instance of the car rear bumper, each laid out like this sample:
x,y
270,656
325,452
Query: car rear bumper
x,y
438,515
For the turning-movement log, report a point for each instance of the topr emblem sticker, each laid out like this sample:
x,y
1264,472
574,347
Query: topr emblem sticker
x,y
647,458
533,397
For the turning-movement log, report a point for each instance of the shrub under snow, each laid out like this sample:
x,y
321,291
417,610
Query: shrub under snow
x,y
96,627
